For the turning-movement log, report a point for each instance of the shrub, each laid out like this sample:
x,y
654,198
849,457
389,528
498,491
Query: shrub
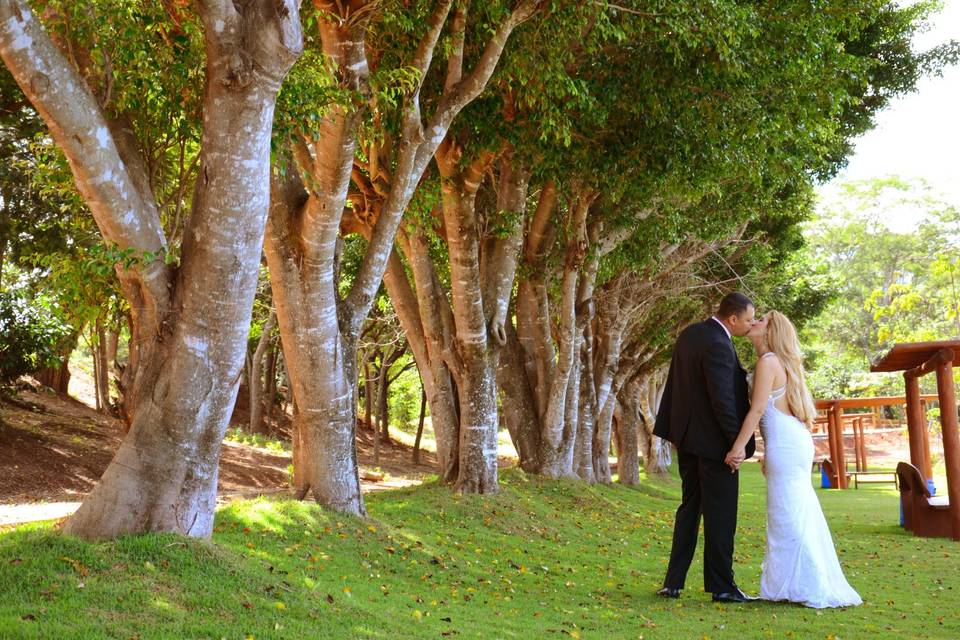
x,y
30,330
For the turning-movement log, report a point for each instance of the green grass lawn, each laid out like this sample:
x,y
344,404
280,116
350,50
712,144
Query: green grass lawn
x,y
540,560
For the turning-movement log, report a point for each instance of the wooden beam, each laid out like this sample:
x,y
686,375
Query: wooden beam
x,y
863,444
951,439
925,439
944,356
856,403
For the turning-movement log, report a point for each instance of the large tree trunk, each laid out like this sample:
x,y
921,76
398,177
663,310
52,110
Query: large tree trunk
x,y
626,415
561,415
586,445
304,292
427,322
658,460
610,323
476,355
518,404
164,476
301,243
301,248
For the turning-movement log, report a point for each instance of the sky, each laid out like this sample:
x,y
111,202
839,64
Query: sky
x,y
917,135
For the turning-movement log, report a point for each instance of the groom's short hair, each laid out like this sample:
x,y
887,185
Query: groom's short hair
x,y
733,304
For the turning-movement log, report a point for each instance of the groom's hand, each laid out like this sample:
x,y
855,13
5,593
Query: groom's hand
x,y
735,457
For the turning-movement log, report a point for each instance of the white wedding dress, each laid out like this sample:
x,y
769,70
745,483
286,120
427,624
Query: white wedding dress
x,y
800,563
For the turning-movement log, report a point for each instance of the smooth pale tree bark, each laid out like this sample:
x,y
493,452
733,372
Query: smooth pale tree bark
x,y
463,336
427,322
268,399
649,403
560,417
303,246
256,384
475,356
191,337
611,321
626,417
423,414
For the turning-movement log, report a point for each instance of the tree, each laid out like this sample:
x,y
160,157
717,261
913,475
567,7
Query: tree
x,y
189,335
319,326
891,286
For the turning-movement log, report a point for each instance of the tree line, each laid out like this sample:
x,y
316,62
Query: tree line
x,y
541,192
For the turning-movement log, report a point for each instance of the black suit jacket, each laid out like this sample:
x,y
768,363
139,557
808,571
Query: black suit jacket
x,y
706,399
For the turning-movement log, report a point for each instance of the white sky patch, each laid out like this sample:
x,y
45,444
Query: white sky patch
x,y
917,135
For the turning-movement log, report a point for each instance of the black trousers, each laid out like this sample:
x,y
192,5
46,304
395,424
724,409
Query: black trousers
x,y
709,488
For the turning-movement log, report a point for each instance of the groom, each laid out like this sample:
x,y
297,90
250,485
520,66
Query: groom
x,y
704,404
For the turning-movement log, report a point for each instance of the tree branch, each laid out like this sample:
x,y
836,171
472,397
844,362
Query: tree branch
x,y
124,216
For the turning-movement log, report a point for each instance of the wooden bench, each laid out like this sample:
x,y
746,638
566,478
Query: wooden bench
x,y
927,516
876,477
831,473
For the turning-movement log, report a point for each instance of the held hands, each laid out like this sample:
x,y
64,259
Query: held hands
x,y
735,457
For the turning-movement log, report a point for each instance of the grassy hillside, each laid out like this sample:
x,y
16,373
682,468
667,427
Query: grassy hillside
x,y
539,560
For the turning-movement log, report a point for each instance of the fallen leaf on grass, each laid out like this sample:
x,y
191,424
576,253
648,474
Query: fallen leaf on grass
x,y
79,568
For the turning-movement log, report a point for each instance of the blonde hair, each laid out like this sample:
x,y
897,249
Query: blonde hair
x,y
782,340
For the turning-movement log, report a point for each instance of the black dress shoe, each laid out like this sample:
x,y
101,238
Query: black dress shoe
x,y
669,592
735,597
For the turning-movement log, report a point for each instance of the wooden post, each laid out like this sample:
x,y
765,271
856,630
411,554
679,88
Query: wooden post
x,y
832,443
951,440
915,424
927,469
863,444
841,463
858,463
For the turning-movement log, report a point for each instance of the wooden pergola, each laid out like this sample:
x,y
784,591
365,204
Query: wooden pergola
x,y
835,424
917,359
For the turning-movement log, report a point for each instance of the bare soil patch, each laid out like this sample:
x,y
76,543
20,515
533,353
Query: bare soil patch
x,y
54,448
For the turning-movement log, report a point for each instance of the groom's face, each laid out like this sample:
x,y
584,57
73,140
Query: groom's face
x,y
741,323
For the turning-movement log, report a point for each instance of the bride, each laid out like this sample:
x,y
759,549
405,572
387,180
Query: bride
x,y
800,563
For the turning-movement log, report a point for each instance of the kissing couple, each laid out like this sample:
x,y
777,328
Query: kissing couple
x,y
706,414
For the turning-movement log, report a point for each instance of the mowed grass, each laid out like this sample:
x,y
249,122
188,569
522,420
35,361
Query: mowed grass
x,y
541,559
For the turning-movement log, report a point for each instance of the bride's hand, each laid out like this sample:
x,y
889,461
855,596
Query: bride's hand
x,y
735,457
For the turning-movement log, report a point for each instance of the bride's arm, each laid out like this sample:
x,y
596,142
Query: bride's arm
x,y
762,385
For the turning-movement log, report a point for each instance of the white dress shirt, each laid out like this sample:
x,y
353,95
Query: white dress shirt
x,y
725,330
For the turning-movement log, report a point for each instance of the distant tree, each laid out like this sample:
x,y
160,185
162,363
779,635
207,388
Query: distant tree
x,y
891,285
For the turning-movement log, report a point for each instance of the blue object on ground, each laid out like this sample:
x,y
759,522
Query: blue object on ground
x,y
932,488
824,478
